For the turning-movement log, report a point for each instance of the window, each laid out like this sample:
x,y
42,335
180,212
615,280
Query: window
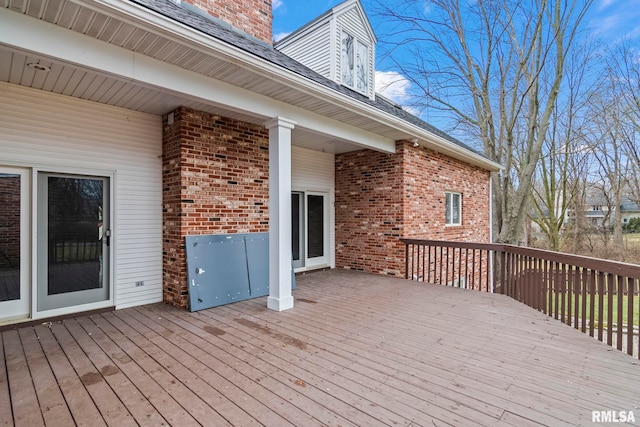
x,y
453,208
355,63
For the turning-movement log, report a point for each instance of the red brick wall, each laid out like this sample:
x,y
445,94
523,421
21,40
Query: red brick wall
x,y
369,217
254,17
215,181
428,175
10,219
381,197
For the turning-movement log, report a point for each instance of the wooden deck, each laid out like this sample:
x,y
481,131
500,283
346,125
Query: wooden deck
x,y
356,349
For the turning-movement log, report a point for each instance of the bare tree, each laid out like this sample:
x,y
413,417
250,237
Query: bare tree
x,y
623,73
497,67
565,151
608,129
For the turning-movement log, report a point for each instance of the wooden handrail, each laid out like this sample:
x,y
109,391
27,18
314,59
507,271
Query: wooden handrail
x,y
576,290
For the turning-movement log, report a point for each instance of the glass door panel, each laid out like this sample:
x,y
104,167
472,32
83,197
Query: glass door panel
x,y
297,229
73,243
315,221
14,255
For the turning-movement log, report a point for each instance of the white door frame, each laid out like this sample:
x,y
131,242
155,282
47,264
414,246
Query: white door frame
x,y
324,260
20,308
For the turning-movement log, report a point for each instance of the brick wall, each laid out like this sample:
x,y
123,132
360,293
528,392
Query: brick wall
x,y
369,211
254,17
215,181
381,197
428,175
10,220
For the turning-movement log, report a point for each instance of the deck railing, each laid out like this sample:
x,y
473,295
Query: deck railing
x,y
596,296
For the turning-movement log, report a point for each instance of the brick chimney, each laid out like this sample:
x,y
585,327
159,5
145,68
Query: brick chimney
x,y
251,16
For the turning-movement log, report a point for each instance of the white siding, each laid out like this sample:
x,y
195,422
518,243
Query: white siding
x,y
315,171
351,22
313,49
63,134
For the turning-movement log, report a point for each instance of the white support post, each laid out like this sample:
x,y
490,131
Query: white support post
x,y
280,297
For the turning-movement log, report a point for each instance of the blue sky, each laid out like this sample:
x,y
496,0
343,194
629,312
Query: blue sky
x,y
610,21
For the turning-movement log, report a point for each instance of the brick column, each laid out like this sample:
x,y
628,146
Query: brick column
x,y
215,181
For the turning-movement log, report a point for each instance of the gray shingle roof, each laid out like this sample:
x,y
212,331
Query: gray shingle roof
x,y
221,30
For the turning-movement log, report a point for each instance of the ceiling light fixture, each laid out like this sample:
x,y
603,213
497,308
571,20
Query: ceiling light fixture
x,y
38,66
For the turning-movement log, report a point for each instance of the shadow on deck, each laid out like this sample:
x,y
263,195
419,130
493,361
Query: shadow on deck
x,y
356,349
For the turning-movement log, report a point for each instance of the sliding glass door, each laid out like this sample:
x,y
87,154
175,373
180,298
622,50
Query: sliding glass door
x,y
73,240
309,229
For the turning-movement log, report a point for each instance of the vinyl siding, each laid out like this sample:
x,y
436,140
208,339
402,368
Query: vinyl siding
x,y
62,134
315,171
313,49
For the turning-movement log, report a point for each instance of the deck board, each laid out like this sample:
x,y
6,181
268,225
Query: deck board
x,y
153,379
6,414
356,349
81,406
371,379
24,400
275,378
92,377
232,376
52,404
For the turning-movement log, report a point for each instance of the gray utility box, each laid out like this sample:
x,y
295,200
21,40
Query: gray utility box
x,y
226,268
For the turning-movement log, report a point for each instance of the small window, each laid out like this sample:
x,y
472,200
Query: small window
x,y
355,64
453,208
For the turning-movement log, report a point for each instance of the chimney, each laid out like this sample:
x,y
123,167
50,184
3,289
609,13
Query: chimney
x,y
254,17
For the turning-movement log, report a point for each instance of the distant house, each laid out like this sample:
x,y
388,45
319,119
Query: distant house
x,y
599,213
182,119
629,210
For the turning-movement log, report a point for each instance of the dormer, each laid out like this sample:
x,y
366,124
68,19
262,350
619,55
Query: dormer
x,y
339,44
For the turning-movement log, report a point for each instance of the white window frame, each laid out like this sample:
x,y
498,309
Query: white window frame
x,y
449,208
354,61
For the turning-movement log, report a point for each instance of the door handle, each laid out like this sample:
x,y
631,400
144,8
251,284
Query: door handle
x,y
107,235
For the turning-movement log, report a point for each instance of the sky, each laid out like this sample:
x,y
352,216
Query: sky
x,y
610,21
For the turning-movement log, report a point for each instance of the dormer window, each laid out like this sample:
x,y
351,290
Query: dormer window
x,y
355,63
340,45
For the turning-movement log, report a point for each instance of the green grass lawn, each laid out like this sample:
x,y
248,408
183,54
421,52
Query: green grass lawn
x,y
605,308
632,238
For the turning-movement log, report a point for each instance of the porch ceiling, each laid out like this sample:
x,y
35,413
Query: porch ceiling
x,y
94,20
78,82
357,349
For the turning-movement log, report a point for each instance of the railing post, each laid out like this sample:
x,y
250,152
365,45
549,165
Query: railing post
x,y
619,323
630,315
406,261
503,273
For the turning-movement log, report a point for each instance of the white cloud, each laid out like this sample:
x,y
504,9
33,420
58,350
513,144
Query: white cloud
x,y
275,4
605,4
396,87
280,36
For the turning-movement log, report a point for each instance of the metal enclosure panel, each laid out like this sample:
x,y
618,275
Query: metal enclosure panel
x,y
216,270
258,263
222,269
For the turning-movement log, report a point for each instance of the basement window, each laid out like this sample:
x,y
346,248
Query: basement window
x,y
453,210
